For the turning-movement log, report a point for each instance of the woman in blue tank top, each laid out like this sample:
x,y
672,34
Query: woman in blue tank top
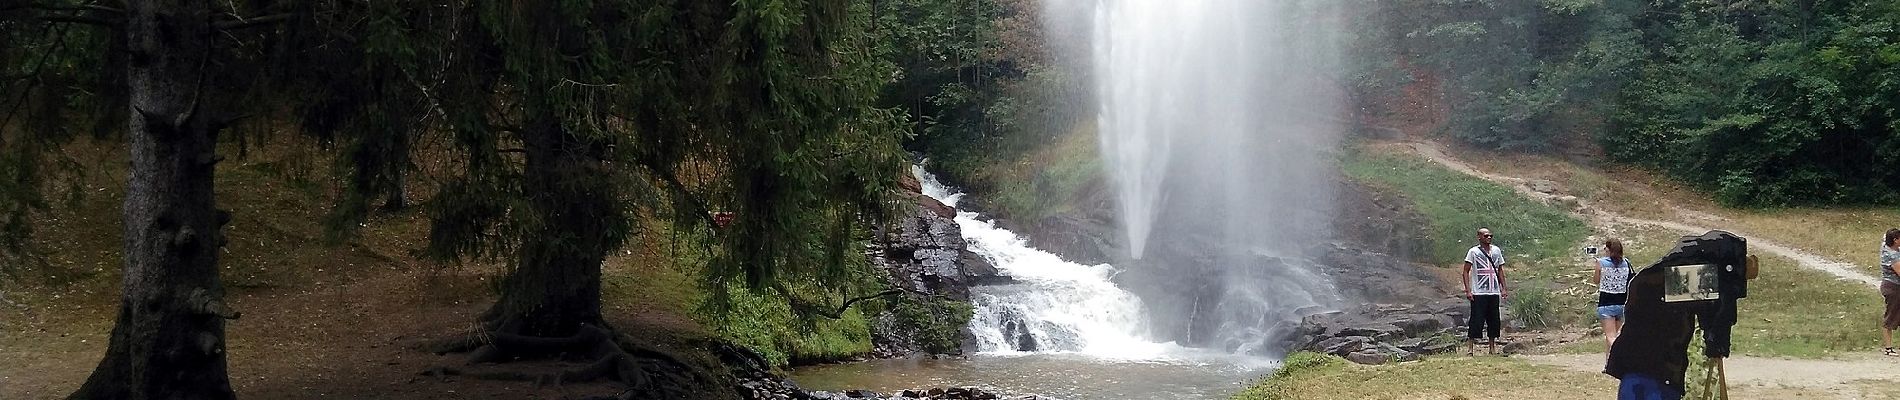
x,y
1613,283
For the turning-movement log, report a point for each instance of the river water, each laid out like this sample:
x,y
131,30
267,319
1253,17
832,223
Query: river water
x,y
1058,376
1063,330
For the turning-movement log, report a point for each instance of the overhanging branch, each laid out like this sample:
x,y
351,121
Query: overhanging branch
x,y
824,311
77,19
242,22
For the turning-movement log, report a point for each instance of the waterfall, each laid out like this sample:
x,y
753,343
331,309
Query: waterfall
x,y
1217,121
1054,305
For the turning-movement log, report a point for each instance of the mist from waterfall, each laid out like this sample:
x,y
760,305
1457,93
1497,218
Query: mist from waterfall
x,y
1217,123
1222,107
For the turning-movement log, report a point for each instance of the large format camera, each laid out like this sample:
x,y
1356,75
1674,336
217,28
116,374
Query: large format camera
x,y
1697,284
1705,275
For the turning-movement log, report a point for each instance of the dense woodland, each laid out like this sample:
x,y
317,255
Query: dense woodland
x,y
1762,103
771,133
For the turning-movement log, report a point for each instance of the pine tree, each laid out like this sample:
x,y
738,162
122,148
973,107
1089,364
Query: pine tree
x,y
572,117
171,77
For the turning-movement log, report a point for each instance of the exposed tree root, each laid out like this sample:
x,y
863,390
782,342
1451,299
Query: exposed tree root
x,y
607,356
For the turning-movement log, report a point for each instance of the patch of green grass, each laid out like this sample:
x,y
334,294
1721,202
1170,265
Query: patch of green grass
x,y
1433,378
1278,385
1790,311
1542,268
1797,312
1456,205
1535,306
767,324
763,321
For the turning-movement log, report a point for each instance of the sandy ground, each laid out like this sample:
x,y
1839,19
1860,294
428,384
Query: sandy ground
x,y
1867,377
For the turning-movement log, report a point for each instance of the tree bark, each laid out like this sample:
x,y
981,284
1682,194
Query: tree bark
x,y
396,199
168,341
555,285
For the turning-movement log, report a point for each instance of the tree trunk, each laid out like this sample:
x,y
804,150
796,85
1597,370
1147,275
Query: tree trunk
x,y
168,342
555,285
396,200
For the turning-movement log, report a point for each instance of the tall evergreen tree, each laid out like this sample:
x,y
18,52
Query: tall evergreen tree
x,y
170,76
572,117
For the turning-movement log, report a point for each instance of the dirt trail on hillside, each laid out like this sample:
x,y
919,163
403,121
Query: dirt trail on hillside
x,y
1602,219
1842,379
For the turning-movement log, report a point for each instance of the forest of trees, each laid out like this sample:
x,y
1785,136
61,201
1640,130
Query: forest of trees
x,y
569,123
1762,103
564,120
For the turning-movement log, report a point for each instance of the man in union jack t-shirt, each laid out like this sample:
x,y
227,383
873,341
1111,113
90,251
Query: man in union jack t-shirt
x,y
1484,286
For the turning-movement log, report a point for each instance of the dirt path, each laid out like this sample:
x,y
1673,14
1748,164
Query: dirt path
x,y
1602,219
1840,379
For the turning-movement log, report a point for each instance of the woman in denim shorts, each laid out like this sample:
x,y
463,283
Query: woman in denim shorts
x,y
1613,283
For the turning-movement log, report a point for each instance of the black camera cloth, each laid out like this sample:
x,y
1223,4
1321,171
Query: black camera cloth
x,y
1659,322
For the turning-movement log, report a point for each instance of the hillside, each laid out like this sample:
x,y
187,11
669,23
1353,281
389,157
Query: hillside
x,y
1802,312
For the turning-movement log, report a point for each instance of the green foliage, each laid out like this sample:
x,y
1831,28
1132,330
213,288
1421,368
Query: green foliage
x,y
1762,104
975,84
1048,181
1762,113
1456,205
767,324
1534,305
1274,387
936,325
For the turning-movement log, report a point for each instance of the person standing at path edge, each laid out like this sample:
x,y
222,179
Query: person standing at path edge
x,y
1484,287
1613,282
1889,289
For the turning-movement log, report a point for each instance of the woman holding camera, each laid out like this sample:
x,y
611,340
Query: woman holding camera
x,y
1889,289
1613,283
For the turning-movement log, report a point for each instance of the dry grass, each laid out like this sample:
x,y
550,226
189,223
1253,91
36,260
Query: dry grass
x,y
1445,378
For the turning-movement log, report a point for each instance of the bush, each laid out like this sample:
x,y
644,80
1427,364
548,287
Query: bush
x,y
1534,305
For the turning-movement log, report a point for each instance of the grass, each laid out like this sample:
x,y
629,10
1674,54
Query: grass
x,y
1322,377
662,275
1456,205
1540,240
1847,234
1790,311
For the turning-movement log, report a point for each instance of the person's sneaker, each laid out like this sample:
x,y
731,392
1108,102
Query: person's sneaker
x,y
1890,352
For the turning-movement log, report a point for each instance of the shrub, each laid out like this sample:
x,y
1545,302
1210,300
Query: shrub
x,y
1534,305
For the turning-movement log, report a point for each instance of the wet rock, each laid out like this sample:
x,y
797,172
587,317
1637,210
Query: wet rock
x,y
982,272
924,253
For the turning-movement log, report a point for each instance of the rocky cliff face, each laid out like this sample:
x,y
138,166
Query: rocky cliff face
x,y
924,254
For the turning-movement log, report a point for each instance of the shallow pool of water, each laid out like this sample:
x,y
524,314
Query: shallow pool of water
x,y
1059,376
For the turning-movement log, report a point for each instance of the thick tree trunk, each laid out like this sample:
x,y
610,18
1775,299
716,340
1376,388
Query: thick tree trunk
x,y
168,342
396,197
555,285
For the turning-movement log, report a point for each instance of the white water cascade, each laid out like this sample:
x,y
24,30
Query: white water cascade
x,y
1054,305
